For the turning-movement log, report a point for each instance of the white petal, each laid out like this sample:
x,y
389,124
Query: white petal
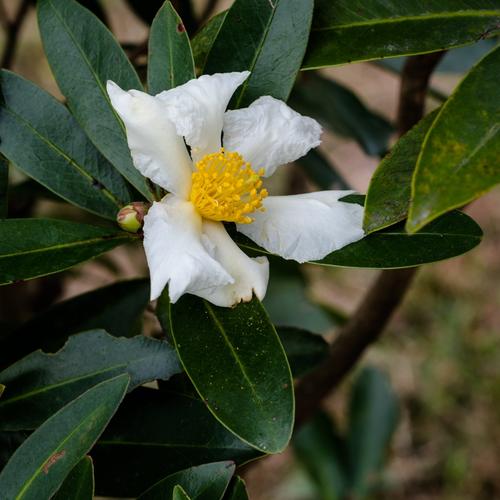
x,y
175,250
197,109
157,150
306,227
250,275
269,133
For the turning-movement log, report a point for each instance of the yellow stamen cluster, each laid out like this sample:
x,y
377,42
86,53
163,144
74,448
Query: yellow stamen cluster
x,y
225,188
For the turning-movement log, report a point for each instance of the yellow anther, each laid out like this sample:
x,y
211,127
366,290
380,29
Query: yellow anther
x,y
225,188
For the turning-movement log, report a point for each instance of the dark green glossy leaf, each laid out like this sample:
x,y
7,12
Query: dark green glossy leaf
x,y
40,384
79,484
321,171
155,434
355,30
373,417
170,60
339,109
43,140
237,364
204,482
41,463
179,493
83,55
30,248
116,308
267,38
304,349
451,235
459,159
237,490
323,453
4,185
204,39
388,197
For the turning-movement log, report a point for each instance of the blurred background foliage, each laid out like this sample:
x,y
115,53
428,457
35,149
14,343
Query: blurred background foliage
x,y
437,368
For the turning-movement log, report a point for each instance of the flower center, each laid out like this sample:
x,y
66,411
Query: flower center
x,y
226,188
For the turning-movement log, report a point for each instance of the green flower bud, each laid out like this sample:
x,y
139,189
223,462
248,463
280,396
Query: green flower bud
x,y
131,217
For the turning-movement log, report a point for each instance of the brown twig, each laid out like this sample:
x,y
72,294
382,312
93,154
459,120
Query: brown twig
x,y
382,299
415,78
12,29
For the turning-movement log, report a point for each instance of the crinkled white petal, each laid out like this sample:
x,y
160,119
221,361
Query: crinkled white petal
x,y
157,150
176,252
250,275
269,133
197,109
306,227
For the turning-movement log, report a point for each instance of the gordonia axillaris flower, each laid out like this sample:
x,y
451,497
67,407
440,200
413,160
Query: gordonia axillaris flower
x,y
186,244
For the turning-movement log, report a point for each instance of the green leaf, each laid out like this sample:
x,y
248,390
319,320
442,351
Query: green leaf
x,y
117,308
339,109
41,463
43,140
204,39
2,388
237,364
267,38
40,384
373,417
204,482
388,197
79,484
323,453
451,235
170,60
83,55
179,493
30,248
321,171
155,434
237,490
4,184
459,158
304,349
345,31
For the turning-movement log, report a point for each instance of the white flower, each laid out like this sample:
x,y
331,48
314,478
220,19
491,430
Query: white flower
x,y
186,244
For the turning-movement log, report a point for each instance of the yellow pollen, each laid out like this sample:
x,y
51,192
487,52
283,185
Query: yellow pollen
x,y
226,188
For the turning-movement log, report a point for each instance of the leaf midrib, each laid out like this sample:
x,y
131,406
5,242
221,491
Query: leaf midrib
x,y
28,483
41,390
87,63
416,18
234,354
274,8
66,157
65,245
128,170
155,444
378,235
